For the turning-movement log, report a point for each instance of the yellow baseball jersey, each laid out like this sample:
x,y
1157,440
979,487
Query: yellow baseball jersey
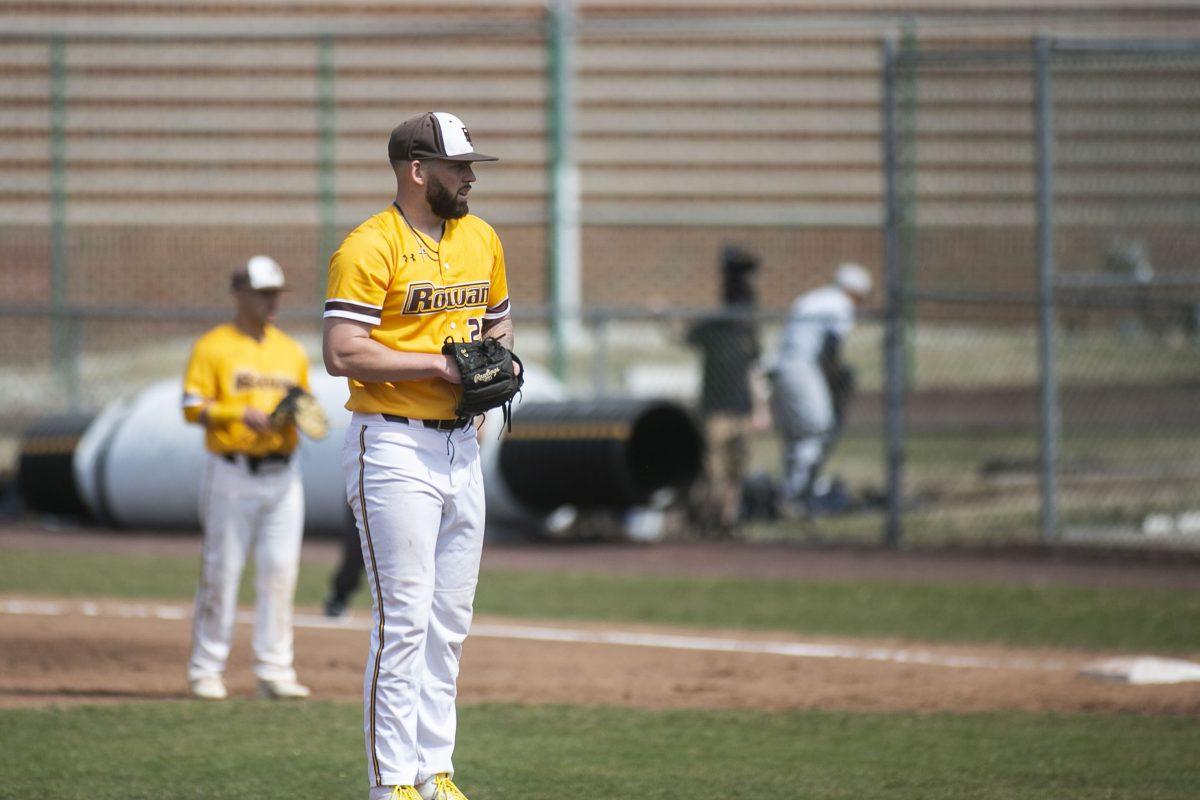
x,y
229,372
416,294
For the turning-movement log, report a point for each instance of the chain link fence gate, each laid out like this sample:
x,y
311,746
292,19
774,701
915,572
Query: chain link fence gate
x,y
1044,359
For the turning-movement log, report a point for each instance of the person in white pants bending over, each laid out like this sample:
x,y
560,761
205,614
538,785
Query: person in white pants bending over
x,y
811,384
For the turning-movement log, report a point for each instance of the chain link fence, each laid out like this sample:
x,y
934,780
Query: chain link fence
x,y
141,161
1044,251
1127,282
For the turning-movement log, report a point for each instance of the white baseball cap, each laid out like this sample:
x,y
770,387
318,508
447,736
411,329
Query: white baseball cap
x,y
261,274
853,279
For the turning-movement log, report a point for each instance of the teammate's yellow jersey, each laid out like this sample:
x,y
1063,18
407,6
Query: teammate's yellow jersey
x,y
417,293
230,371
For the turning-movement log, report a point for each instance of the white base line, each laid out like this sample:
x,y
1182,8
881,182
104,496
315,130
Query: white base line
x,y
542,634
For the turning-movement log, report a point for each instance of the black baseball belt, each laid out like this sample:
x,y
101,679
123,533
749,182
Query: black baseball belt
x,y
253,463
433,424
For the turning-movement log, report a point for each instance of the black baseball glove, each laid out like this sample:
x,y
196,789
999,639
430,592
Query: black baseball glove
x,y
489,375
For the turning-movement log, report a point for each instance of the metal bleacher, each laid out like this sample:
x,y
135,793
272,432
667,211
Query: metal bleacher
x,y
704,115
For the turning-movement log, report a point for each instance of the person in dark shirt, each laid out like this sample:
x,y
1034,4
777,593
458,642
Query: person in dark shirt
x,y
729,349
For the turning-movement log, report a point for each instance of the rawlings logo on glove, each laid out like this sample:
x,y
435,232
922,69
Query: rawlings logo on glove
x,y
486,375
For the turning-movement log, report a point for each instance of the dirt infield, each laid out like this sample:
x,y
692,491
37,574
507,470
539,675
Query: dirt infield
x,y
106,652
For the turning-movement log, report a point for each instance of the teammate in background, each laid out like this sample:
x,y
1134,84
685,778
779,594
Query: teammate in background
x,y
251,495
410,277
347,575
812,384
729,348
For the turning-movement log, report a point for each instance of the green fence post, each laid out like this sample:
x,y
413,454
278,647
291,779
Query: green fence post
x,y
1050,411
906,87
562,264
894,321
61,334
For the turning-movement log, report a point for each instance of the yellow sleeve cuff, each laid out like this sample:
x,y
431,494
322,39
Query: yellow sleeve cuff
x,y
219,415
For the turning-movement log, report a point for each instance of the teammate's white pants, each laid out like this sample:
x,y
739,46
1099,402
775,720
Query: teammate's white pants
x,y
800,400
417,496
240,509
803,411
801,458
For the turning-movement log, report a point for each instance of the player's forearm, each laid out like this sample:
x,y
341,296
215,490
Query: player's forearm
x,y
501,330
213,414
366,360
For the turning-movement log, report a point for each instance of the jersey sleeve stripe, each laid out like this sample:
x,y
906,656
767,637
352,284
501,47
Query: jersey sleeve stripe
x,y
370,320
351,310
498,311
190,400
352,305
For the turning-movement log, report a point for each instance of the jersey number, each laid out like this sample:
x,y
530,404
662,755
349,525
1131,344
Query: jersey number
x,y
476,326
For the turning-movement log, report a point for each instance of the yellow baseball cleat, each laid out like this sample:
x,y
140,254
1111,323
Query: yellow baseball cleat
x,y
440,787
404,793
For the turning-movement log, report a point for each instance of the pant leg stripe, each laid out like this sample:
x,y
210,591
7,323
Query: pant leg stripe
x,y
200,612
362,503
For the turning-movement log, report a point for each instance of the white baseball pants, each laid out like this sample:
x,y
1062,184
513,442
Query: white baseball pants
x,y
800,401
417,495
240,509
803,412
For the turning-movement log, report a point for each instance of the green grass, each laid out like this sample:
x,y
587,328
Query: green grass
x,y
1107,477
953,462
1090,618
1124,619
244,749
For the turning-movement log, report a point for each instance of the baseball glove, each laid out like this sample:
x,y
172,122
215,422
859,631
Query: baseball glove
x,y
301,409
489,375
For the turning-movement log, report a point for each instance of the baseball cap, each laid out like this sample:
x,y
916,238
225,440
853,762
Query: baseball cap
x,y
261,273
853,279
434,134
738,259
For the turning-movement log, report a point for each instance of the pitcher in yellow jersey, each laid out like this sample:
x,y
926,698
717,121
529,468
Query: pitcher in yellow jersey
x,y
251,495
410,277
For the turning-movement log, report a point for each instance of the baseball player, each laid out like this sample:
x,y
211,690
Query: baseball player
x,y
414,275
347,575
811,383
251,494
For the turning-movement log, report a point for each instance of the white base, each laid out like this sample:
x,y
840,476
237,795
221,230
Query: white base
x,y
1142,670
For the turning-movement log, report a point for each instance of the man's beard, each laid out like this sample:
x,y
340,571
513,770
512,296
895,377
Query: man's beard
x,y
443,203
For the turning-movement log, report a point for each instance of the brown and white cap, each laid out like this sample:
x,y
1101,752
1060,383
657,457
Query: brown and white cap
x,y
434,134
260,274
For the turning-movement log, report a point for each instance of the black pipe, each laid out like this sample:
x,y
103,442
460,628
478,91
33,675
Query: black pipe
x,y
602,453
45,465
